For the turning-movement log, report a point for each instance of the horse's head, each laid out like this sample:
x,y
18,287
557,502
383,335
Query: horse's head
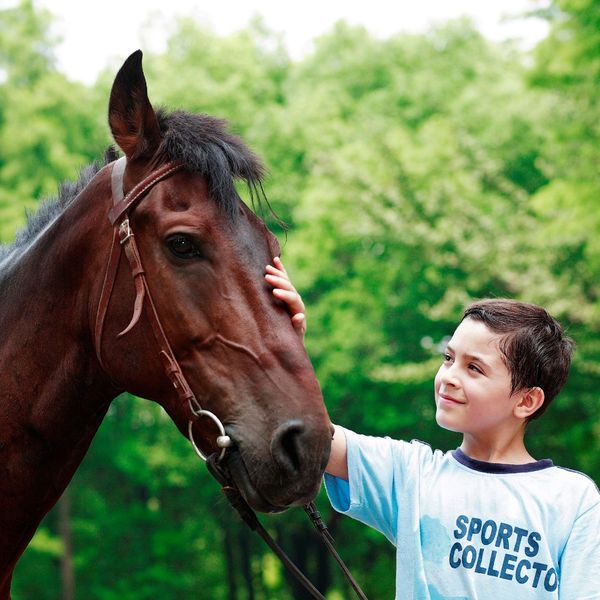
x,y
204,254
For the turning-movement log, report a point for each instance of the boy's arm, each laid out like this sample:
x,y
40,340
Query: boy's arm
x,y
338,459
284,290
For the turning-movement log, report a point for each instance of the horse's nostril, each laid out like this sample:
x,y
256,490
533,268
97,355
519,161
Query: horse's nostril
x,y
287,447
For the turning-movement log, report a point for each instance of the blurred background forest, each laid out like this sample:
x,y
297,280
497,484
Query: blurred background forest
x,y
415,173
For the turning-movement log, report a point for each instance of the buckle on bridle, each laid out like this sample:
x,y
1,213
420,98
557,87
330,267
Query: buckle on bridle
x,y
125,231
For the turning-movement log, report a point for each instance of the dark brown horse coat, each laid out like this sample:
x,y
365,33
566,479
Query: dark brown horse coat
x,y
204,253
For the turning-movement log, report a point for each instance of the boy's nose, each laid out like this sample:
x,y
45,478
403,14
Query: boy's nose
x,y
448,377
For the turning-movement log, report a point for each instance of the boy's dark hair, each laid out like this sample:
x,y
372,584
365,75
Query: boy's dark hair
x,y
535,348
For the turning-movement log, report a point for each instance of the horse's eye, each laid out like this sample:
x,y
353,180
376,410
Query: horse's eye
x,y
182,246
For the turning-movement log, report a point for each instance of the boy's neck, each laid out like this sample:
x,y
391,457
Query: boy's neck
x,y
511,452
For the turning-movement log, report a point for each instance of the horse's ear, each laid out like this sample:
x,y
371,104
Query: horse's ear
x,y
131,117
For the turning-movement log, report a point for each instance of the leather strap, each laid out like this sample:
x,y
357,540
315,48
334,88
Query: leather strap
x,y
137,271
170,364
116,179
123,237
327,539
108,284
124,205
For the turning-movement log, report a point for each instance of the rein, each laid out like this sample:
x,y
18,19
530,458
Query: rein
x,y
124,239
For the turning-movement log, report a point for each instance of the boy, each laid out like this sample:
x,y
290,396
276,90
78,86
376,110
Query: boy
x,y
486,521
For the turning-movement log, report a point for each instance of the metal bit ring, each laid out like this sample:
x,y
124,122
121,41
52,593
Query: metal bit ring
x,y
223,440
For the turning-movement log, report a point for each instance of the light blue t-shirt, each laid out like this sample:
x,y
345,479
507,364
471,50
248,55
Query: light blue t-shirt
x,y
470,530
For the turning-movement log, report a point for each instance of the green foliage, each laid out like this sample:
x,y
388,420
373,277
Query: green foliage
x,y
26,51
416,173
49,127
567,70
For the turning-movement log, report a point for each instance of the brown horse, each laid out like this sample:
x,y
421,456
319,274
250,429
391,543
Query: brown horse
x,y
67,297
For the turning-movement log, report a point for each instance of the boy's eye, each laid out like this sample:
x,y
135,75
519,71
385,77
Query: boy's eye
x,y
475,368
447,357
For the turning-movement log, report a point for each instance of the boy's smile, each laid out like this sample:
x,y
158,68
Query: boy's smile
x,y
473,385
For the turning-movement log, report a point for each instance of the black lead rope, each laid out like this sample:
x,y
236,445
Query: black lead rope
x,y
249,517
327,539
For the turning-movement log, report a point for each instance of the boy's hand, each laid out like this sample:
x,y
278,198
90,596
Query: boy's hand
x,y
284,290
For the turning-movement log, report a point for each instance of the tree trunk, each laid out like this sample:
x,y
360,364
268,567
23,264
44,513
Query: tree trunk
x,y
246,563
299,546
228,545
67,572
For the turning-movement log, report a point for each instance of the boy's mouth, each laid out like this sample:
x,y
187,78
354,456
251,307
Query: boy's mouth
x,y
448,398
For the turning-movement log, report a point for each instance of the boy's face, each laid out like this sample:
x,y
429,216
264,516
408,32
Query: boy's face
x,y
473,385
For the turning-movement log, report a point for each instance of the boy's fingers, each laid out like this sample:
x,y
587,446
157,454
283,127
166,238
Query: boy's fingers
x,y
280,282
284,290
291,298
299,323
277,262
271,270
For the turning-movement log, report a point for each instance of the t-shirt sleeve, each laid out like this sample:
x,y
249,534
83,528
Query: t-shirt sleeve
x,y
368,495
580,561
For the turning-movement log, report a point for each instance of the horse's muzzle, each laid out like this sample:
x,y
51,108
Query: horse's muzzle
x,y
287,472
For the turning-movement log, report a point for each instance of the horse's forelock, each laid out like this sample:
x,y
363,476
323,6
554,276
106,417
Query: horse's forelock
x,y
204,145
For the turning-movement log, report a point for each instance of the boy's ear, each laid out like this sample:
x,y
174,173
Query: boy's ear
x,y
531,400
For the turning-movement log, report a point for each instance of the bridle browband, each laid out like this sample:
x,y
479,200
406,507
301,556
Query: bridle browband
x,y
123,238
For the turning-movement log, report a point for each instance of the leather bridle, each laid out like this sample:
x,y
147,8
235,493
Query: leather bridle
x,y
123,238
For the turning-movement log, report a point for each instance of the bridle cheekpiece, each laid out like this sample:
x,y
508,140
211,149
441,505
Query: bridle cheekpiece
x,y
124,239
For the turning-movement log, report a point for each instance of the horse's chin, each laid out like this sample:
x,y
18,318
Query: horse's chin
x,y
258,499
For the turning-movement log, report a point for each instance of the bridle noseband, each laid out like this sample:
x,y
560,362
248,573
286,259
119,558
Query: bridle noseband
x,y
124,239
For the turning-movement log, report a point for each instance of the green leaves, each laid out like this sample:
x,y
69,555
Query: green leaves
x,y
415,173
49,127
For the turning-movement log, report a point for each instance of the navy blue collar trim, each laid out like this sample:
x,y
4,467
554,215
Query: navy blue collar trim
x,y
499,468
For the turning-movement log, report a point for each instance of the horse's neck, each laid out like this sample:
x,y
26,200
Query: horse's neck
x,y
53,394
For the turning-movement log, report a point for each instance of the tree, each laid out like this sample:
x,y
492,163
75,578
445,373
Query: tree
x,y
415,173
567,69
49,127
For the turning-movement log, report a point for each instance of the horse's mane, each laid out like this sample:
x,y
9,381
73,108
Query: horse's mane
x,y
201,142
